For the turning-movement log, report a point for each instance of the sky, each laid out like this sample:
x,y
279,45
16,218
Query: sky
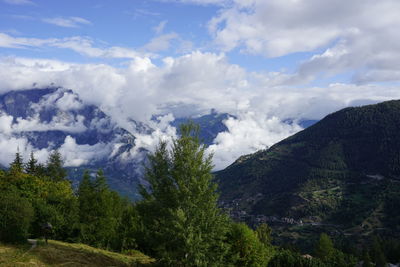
x,y
263,61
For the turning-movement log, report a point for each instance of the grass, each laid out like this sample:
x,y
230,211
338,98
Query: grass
x,y
58,253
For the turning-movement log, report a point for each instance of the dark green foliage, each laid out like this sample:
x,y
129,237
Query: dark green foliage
x,y
31,165
324,248
246,249
326,252
286,258
16,214
37,195
391,248
377,253
17,165
263,232
181,221
54,167
99,211
128,229
366,259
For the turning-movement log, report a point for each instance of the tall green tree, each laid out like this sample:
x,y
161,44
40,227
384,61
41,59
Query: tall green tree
x,y
17,166
54,168
31,165
263,233
183,225
100,210
16,214
324,249
246,248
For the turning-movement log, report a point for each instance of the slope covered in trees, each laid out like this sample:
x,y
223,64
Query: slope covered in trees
x,y
178,222
342,173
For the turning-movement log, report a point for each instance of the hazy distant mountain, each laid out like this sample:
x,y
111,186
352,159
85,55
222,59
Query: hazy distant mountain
x,y
343,172
210,125
55,118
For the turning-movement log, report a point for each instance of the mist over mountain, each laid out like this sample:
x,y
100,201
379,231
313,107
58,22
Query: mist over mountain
x,y
42,120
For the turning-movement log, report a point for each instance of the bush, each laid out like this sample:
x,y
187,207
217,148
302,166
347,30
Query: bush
x,y
16,214
245,247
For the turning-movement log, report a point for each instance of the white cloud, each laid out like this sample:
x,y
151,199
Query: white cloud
x,y
249,133
160,27
161,42
188,85
19,2
355,35
62,122
75,155
69,102
70,22
82,45
9,146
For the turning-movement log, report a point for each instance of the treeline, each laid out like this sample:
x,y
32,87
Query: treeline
x,y
33,194
178,221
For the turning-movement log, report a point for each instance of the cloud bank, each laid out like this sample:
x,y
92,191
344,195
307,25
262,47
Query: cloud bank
x,y
182,86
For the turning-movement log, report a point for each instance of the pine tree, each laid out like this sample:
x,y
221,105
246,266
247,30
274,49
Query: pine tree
x,y
17,165
31,166
85,200
105,208
324,248
184,226
99,211
54,168
263,233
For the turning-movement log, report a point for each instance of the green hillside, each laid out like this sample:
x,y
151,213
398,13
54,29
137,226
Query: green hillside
x,y
342,173
58,253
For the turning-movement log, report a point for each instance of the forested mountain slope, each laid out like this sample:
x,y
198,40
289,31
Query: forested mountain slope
x,y
343,171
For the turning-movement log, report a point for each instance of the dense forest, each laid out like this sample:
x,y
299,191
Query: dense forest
x,y
178,221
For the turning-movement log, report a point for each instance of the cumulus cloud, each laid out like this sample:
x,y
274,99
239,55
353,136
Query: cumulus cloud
x,y
76,155
354,36
9,145
69,22
246,134
69,101
188,85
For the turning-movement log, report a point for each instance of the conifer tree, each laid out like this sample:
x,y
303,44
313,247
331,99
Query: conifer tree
x,y
99,211
31,166
184,226
54,168
324,248
17,165
263,233
85,198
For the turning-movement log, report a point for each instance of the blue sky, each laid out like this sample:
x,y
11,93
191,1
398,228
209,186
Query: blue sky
x,y
128,23
263,61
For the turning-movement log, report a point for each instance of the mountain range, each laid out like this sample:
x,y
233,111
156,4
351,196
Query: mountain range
x,y
45,119
340,174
